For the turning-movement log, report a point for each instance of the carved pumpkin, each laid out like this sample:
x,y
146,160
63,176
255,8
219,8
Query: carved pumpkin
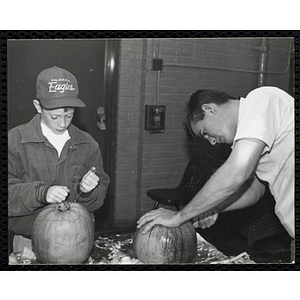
x,y
166,245
63,234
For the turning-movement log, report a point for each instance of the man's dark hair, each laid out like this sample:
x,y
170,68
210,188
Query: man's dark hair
x,y
200,97
194,111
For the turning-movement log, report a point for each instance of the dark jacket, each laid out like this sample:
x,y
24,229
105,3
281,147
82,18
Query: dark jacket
x,y
34,166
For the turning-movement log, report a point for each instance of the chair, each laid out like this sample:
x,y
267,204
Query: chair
x,y
197,172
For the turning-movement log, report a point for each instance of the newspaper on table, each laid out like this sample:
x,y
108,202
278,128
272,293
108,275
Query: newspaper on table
x,y
118,249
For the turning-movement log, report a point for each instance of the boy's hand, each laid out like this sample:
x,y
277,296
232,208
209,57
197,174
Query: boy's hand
x,y
57,194
89,181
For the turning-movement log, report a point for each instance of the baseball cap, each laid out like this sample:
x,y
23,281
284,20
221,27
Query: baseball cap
x,y
56,88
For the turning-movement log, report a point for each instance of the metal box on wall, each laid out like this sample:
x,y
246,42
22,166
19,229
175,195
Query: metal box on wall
x,y
155,118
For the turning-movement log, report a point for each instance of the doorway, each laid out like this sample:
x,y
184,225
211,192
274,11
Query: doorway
x,y
95,65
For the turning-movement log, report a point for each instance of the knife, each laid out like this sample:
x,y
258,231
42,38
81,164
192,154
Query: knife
x,y
93,169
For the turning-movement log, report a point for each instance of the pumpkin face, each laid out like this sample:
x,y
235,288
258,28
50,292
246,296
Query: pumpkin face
x,y
63,234
166,245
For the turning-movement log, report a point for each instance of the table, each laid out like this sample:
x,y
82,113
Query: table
x,y
116,249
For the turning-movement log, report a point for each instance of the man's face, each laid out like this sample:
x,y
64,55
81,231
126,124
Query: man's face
x,y
57,120
215,127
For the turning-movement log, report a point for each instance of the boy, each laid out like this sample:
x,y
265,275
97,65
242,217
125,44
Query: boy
x,y
49,159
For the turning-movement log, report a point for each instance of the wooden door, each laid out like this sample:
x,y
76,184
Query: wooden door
x,y
91,63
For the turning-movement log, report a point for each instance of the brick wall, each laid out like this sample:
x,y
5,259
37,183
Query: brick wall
x,y
128,131
146,160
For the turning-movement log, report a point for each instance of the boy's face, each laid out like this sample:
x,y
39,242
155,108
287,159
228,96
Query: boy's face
x,y
57,120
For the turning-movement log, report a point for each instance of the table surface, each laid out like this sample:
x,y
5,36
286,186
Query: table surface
x,y
114,249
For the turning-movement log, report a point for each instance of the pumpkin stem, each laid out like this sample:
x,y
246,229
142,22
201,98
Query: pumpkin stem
x,y
63,206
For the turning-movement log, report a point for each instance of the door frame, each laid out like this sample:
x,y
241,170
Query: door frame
x,y
111,75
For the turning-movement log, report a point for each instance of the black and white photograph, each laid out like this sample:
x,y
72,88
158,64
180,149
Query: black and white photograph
x,y
151,151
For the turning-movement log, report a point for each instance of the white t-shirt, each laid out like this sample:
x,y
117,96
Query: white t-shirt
x,y
267,114
57,140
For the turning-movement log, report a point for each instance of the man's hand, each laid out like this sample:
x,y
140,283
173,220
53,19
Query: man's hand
x,y
89,181
204,222
57,194
159,216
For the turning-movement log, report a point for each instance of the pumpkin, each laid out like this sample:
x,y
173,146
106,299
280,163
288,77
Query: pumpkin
x,y
166,245
63,234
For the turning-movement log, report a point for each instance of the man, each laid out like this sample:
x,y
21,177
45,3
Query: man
x,y
49,159
260,129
